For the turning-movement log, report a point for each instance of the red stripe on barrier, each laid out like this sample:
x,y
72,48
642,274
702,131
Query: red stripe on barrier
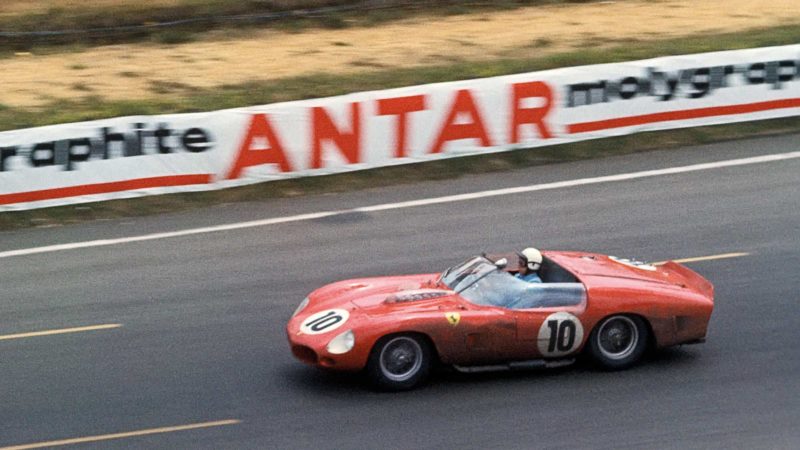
x,y
682,115
105,188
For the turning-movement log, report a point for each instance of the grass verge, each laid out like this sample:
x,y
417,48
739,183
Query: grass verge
x,y
178,21
444,169
519,60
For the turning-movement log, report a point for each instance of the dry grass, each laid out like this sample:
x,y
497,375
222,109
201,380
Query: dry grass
x,y
264,55
20,7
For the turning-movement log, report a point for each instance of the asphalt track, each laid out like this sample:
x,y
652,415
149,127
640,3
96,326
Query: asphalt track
x,y
202,335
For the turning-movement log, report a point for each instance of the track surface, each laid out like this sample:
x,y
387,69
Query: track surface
x,y
203,318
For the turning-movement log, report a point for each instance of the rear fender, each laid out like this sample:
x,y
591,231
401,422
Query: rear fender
x,y
692,279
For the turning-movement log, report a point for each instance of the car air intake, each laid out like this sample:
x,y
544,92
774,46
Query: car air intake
x,y
415,296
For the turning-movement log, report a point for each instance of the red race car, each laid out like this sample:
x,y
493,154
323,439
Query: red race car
x,y
477,315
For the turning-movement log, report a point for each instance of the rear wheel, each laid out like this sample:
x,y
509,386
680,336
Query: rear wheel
x,y
618,342
399,362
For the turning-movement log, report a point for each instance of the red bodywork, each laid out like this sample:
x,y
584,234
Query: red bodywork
x,y
675,301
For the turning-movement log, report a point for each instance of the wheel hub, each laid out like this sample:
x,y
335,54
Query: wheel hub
x,y
618,337
401,358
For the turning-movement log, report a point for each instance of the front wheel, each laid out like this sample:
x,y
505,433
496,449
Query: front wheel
x,y
399,362
618,342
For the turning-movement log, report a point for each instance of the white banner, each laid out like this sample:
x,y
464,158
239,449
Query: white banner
x,y
146,155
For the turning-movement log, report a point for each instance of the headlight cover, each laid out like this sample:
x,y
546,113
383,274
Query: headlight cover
x,y
342,343
300,307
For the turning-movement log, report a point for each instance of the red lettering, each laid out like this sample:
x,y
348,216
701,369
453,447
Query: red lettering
x,y
401,107
324,129
451,131
260,128
534,116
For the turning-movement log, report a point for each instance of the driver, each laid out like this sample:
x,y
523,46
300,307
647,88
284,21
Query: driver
x,y
531,261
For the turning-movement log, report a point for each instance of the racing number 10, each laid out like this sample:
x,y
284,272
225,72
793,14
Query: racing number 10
x,y
562,336
325,321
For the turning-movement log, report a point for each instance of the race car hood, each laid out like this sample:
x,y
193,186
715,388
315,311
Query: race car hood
x,y
368,292
587,266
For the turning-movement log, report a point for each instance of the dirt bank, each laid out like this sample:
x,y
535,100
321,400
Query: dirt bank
x,y
141,71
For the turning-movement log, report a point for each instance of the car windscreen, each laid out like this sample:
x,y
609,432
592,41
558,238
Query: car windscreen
x,y
495,288
501,289
462,275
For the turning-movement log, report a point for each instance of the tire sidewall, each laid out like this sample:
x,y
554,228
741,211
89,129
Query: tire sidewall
x,y
379,379
635,356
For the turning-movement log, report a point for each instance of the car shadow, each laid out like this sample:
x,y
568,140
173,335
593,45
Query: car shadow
x,y
327,382
681,355
323,381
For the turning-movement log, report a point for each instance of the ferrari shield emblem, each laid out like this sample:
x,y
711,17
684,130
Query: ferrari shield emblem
x,y
453,318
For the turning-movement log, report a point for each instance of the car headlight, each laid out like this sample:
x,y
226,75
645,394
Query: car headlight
x,y
342,343
300,307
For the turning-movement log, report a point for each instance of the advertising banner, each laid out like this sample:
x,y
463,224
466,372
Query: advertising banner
x,y
146,155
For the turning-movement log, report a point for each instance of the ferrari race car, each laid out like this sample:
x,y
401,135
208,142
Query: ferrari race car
x,y
478,316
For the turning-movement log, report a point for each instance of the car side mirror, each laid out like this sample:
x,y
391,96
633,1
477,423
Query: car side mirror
x,y
501,263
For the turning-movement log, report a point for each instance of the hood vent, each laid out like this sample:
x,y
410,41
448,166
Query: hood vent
x,y
415,296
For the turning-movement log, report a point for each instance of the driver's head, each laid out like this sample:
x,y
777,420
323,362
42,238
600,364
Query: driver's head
x,y
532,259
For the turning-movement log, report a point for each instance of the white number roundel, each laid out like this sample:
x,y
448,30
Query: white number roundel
x,y
633,263
324,321
560,334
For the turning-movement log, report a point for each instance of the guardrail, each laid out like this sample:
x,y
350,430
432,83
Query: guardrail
x,y
148,155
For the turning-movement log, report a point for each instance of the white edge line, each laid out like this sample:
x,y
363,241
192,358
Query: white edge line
x,y
59,331
704,258
407,204
128,434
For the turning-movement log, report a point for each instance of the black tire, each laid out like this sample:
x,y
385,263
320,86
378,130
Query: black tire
x,y
399,362
618,342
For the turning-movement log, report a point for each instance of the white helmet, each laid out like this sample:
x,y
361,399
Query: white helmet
x,y
532,258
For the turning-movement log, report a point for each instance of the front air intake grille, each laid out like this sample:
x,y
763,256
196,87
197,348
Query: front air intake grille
x,y
304,354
